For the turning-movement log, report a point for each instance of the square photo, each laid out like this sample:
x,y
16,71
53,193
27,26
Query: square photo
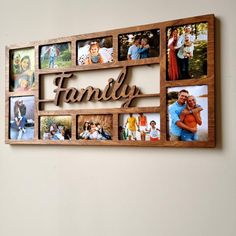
x,y
187,51
22,118
94,127
55,56
139,45
55,128
142,126
95,51
22,69
187,113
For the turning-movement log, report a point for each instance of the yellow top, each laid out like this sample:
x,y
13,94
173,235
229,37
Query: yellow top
x,y
132,123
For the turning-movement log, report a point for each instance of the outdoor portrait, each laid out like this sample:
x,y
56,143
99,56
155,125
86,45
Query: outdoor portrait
x,y
22,68
95,51
187,51
187,113
142,126
22,118
94,127
139,45
55,56
55,127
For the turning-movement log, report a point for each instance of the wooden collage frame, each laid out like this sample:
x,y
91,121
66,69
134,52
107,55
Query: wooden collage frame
x,y
124,65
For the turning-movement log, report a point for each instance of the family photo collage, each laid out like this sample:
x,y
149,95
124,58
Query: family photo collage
x,y
183,49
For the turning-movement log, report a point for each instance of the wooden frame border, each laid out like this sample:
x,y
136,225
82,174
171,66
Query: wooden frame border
x,y
164,84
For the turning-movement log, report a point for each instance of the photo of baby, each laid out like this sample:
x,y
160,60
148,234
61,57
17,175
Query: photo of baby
x,y
139,45
95,51
22,70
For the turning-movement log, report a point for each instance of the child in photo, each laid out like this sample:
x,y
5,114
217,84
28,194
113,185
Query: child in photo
x,y
94,56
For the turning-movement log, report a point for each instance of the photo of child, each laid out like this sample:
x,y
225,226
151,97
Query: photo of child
x,y
95,51
22,118
55,127
22,64
94,127
139,45
55,56
142,126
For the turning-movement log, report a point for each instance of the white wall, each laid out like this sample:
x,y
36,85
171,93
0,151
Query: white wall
x,y
57,190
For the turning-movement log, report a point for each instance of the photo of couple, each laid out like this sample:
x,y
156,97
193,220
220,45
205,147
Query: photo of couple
x,y
95,51
142,126
139,45
22,76
188,113
22,118
187,51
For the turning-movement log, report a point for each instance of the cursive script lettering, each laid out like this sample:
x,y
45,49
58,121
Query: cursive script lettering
x,y
114,90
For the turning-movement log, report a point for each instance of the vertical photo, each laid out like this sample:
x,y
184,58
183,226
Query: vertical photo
x,y
55,127
95,51
139,45
55,56
187,51
187,113
22,69
22,118
94,127
141,126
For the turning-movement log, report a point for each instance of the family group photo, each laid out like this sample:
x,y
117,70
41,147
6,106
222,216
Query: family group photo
x,y
22,118
95,51
55,56
94,127
142,126
55,127
22,77
139,45
188,113
187,52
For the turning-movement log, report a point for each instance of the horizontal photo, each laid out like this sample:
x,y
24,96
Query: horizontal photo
x,y
139,45
95,51
187,51
55,56
22,118
187,113
142,126
55,127
94,127
22,69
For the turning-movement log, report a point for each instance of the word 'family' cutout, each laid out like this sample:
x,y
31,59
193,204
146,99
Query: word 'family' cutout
x,y
162,76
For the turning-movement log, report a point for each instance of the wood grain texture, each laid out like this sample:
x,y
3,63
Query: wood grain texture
x,y
161,59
